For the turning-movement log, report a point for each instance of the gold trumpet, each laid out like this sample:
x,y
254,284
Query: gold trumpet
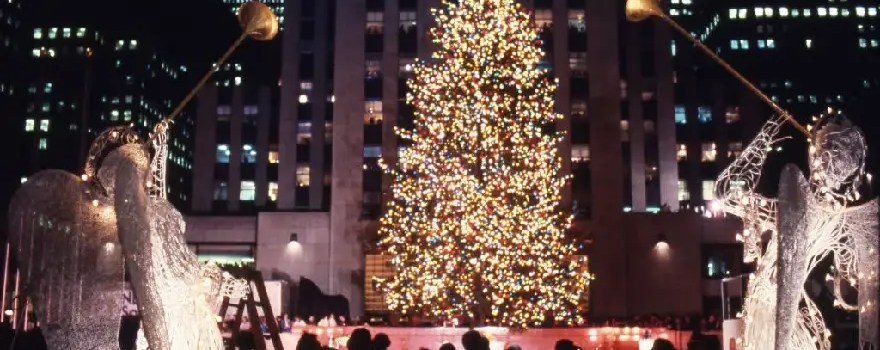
x,y
638,10
258,22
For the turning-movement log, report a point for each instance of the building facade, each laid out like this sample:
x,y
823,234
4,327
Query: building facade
x,y
312,161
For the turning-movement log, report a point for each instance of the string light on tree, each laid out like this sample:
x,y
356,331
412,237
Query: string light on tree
x,y
474,226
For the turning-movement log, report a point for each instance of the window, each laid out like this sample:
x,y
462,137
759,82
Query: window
x,y
29,125
808,43
224,110
731,14
81,33
577,20
783,12
237,81
374,22
273,191
710,151
221,190
543,19
682,153
303,132
248,154
373,69
303,99
683,193
731,114
251,110
734,44
23,179
65,33
734,149
577,61
273,154
771,44
704,114
822,11
406,65
759,12
807,12
708,190
872,11
223,154
863,43
407,20
624,129
38,33
680,115
744,44
306,87
53,32
372,151
372,112
650,127
579,108
44,125
43,144
248,191
45,107
580,153
303,175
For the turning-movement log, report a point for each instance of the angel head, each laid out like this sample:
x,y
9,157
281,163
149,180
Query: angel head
x,y
837,157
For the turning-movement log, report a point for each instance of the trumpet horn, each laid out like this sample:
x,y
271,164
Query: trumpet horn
x,y
258,20
638,10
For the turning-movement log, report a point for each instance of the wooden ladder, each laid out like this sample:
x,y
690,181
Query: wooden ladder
x,y
255,281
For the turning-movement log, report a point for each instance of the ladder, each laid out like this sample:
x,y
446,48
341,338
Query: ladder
x,y
255,281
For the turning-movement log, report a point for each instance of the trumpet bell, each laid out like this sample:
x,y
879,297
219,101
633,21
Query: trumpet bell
x,y
638,10
258,20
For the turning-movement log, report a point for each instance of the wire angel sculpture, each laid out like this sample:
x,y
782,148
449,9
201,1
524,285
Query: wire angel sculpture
x,y
71,236
811,221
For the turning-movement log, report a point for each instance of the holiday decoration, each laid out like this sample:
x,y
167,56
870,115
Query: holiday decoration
x,y
474,226
812,220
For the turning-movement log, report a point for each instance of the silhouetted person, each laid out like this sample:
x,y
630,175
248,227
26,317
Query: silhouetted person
x,y
565,344
472,340
447,346
381,342
359,340
308,341
514,347
662,344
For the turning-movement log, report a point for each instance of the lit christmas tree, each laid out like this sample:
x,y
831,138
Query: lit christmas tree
x,y
474,227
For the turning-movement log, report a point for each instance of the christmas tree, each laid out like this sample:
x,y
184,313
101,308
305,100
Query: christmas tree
x,y
474,227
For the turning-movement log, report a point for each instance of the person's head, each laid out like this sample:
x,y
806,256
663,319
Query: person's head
x,y
359,340
472,340
514,347
308,341
662,344
565,344
447,346
381,341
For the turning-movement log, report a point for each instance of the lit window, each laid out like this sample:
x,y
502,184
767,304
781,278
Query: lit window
x,y
709,153
45,107
132,44
273,191
273,157
731,14
407,20
704,114
863,43
303,99
795,12
38,32
372,112
807,12
844,12
809,43
65,32
680,115
783,11
374,22
303,175
248,191
649,127
81,33
761,44
221,190
577,20
744,44
43,144
624,130
682,153
23,179
224,110
734,44
29,125
734,149
833,11
708,190
306,86
237,81
731,114
53,33
874,43
759,12
120,44
743,13
223,154
406,65
543,19
771,43
872,11
768,12
580,153
860,11
303,132
579,108
683,193
577,61
251,110
44,125
372,151
248,154
36,53
373,68
822,11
